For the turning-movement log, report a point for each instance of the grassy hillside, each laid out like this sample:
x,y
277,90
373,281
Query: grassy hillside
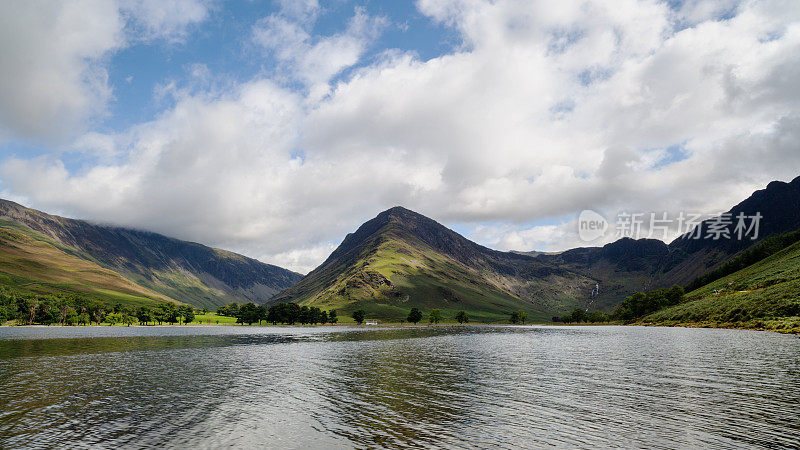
x,y
184,271
765,294
33,263
401,260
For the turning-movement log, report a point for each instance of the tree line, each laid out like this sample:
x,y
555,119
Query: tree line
x,y
579,315
436,315
76,310
283,313
641,304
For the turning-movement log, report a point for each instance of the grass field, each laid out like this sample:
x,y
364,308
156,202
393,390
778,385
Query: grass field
x,y
213,319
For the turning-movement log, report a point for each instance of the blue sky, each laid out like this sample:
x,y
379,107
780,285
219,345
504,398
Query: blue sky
x,y
274,128
222,44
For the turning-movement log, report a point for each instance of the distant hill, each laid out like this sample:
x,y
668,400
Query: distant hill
x,y
160,266
401,259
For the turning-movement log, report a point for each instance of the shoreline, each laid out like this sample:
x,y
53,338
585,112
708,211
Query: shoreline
x,y
782,326
786,325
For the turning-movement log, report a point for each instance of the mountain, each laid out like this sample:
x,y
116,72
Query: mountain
x,y
163,267
688,258
401,259
620,268
31,263
627,265
763,294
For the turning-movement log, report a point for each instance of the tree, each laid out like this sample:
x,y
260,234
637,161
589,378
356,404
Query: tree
x,y
248,313
641,303
462,317
323,317
261,313
291,313
315,315
47,313
359,315
71,317
83,318
231,310
144,314
519,317
96,311
128,320
414,316
114,318
272,315
187,312
26,308
579,315
63,310
596,316
305,315
674,295
168,312
332,317
436,316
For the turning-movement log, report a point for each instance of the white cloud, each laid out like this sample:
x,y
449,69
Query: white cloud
x,y
165,19
54,56
53,76
314,61
546,109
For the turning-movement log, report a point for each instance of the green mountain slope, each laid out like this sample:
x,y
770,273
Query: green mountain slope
x,y
32,263
401,259
764,291
183,271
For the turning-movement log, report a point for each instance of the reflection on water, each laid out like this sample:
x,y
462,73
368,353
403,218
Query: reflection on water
x,y
444,386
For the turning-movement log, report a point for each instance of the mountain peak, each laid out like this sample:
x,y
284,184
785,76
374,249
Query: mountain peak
x,y
399,213
400,259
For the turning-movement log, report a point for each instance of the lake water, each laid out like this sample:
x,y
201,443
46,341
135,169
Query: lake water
x,y
451,387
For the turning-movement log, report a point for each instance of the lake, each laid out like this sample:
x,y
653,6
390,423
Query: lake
x,y
451,387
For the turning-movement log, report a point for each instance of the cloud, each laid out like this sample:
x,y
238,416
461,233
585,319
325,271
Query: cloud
x,y
165,19
54,57
543,110
309,59
53,54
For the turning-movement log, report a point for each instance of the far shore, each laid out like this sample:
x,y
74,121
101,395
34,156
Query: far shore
x,y
783,326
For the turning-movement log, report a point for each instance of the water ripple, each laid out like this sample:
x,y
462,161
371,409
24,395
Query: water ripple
x,y
444,387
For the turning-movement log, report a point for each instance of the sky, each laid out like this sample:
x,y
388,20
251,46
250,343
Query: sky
x,y
274,128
